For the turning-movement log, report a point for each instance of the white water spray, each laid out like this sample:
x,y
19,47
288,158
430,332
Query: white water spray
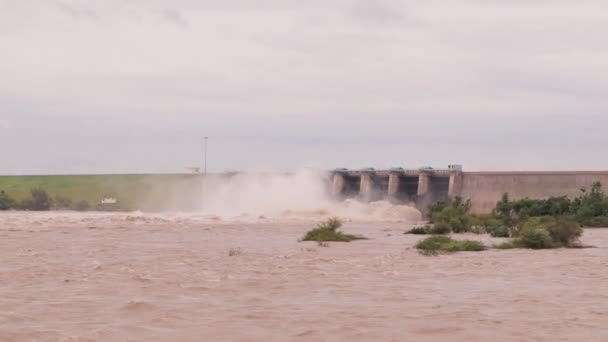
x,y
303,194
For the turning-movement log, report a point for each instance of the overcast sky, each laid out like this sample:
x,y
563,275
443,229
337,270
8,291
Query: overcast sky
x,y
91,86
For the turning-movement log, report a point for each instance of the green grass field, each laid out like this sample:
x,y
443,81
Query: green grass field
x,y
134,192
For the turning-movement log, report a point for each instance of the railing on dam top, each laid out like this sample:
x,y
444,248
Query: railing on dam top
x,y
426,169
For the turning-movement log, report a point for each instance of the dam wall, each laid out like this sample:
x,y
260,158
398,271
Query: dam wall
x,y
418,187
422,187
484,189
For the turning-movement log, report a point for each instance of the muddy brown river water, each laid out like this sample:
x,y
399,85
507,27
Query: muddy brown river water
x,y
136,277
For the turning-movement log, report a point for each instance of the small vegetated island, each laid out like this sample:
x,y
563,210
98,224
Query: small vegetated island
x,y
329,231
554,222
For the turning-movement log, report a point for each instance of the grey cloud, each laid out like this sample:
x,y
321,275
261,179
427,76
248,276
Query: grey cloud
x,y
348,82
384,12
175,16
77,11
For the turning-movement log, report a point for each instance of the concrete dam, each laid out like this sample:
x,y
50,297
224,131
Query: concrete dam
x,y
421,187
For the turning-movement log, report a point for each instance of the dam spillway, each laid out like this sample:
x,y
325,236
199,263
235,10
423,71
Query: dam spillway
x,y
414,186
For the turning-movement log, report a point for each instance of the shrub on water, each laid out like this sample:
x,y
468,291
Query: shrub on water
x,y
328,231
499,231
463,245
483,220
327,235
235,251
332,223
458,221
440,228
597,222
562,230
478,230
506,245
453,215
433,242
435,209
546,232
436,243
536,238
537,222
565,231
419,230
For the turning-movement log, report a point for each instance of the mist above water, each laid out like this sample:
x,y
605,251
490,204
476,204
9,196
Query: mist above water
x,y
304,194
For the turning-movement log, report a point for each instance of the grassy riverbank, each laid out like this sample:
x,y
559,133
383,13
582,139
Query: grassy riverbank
x,y
144,192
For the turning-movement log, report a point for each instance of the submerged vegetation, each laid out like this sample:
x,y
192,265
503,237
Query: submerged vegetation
x,y
329,231
436,243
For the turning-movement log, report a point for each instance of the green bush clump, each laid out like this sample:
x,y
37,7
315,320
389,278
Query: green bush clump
x,y
6,201
487,223
483,220
565,231
597,222
499,231
463,245
328,231
536,238
589,209
451,216
506,245
419,230
440,228
433,244
454,217
546,232
456,220
435,209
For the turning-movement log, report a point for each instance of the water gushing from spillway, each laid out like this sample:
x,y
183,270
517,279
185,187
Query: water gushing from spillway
x,y
303,194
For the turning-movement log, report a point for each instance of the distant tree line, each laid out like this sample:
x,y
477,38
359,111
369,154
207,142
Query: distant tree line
x,y
40,200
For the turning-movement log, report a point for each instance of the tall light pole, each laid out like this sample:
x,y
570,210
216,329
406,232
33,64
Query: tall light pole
x,y
205,155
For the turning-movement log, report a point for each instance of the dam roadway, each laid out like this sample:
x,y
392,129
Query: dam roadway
x,y
427,185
